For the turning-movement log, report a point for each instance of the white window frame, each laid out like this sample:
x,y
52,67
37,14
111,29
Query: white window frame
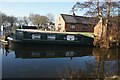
x,y
36,36
51,37
72,26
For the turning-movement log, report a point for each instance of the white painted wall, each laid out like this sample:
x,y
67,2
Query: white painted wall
x,y
1,30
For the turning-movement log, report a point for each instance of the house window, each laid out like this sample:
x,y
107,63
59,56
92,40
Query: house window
x,y
51,37
72,26
59,25
84,27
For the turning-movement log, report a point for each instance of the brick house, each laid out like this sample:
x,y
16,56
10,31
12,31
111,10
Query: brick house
x,y
73,23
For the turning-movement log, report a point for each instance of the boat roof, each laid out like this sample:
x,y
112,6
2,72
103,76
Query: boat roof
x,y
56,32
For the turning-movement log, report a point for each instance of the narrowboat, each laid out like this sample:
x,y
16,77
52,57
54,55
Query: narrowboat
x,y
32,36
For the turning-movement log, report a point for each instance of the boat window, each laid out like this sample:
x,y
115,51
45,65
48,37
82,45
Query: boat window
x,y
35,54
19,35
51,37
51,54
36,36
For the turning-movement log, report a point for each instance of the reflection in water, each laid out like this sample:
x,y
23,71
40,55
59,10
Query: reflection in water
x,y
108,62
0,62
49,54
50,51
59,62
108,55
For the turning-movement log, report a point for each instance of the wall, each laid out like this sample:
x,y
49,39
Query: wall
x,y
79,28
61,27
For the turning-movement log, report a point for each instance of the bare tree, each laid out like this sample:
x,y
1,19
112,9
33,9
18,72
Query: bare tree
x,y
26,21
50,17
43,20
23,21
3,18
20,21
94,8
37,19
11,20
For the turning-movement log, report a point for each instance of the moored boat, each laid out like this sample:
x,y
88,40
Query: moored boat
x,y
33,36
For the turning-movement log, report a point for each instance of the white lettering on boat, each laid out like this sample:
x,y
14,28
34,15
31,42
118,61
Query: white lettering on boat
x,y
70,37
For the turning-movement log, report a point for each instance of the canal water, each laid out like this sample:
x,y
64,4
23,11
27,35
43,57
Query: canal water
x,y
28,61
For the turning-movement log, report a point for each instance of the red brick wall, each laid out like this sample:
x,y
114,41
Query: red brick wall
x,y
78,28
90,28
